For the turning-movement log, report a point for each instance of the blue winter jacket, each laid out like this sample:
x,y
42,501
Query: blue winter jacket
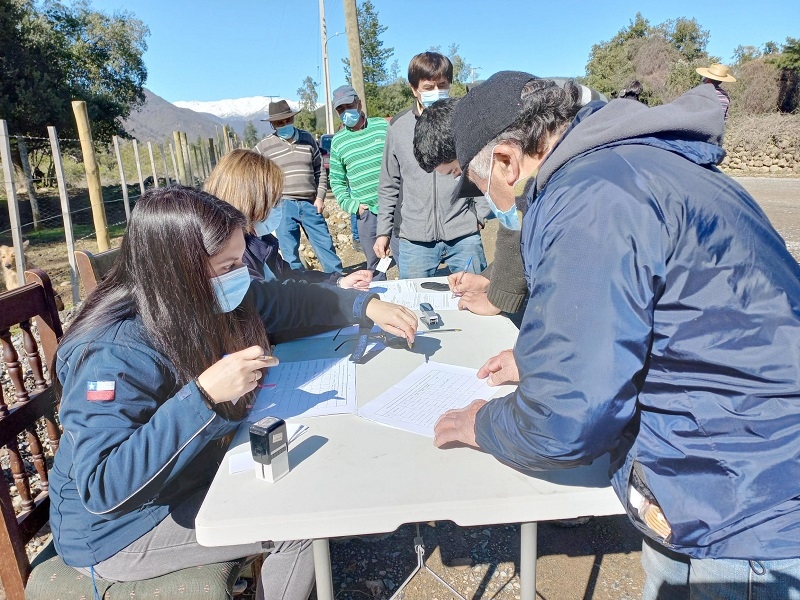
x,y
123,463
663,327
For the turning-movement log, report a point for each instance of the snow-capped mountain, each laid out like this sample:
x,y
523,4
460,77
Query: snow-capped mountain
x,y
241,108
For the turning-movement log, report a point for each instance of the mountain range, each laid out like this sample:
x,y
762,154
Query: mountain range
x,y
156,119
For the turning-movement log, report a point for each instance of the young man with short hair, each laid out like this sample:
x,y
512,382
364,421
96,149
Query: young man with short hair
x,y
419,206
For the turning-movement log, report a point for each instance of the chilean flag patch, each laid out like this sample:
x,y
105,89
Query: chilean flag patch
x,y
100,391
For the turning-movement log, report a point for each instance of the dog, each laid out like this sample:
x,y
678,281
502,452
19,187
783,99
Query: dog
x,y
8,263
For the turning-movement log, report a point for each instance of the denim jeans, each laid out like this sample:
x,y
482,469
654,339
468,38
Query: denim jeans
x,y
367,224
422,259
300,213
672,576
354,227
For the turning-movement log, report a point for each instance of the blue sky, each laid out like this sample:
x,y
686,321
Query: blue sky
x,y
216,50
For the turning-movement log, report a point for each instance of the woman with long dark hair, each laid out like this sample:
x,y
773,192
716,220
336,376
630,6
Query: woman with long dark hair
x,y
159,365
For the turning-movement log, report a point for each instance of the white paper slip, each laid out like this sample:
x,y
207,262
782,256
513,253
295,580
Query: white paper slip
x,y
244,461
308,388
415,403
383,264
406,293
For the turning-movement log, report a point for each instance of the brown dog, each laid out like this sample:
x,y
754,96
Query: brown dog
x,y
8,263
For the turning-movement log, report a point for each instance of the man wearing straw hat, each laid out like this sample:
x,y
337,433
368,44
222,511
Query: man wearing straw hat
x,y
715,75
304,188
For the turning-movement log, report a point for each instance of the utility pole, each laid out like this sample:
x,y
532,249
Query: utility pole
x,y
472,73
354,47
326,75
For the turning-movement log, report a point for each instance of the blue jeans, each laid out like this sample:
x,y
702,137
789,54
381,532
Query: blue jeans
x,y
422,259
672,576
354,227
300,213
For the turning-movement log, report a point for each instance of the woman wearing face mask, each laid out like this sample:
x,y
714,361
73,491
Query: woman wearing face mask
x,y
254,184
158,366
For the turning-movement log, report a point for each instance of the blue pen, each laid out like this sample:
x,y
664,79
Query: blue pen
x,y
466,268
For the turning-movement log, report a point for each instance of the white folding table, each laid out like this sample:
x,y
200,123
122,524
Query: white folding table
x,y
351,477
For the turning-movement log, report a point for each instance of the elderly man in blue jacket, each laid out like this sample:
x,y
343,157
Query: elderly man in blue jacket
x,y
663,327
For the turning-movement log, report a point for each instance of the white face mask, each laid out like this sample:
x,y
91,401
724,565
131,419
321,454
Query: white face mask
x,y
231,288
429,97
507,218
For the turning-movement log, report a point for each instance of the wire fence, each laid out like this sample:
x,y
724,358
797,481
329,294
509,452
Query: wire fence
x,y
46,208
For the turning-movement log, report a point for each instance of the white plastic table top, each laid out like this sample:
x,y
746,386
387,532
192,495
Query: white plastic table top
x,y
350,476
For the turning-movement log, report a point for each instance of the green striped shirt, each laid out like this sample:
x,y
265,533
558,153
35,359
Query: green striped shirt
x,y
356,158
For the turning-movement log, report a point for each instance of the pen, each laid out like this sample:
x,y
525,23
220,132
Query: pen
x,y
460,279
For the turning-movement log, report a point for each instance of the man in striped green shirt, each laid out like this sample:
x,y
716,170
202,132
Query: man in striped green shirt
x,y
355,166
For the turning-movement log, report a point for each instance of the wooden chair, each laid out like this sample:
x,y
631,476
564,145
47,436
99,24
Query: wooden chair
x,y
48,576
93,268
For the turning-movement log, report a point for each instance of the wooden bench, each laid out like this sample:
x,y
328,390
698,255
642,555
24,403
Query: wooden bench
x,y
93,268
23,425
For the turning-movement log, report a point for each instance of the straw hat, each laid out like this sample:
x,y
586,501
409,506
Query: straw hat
x,y
716,72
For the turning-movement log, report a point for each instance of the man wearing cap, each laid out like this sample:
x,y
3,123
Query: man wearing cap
x,y
663,328
418,206
304,188
715,75
356,155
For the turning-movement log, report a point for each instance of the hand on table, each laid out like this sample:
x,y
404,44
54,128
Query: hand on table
x,y
393,318
381,246
358,279
236,374
477,303
456,427
501,369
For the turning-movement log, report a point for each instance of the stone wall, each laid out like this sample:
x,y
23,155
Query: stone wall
x,y
774,157
763,145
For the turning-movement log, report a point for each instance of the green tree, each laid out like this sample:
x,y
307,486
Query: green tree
x,y
788,64
250,133
663,58
307,93
51,54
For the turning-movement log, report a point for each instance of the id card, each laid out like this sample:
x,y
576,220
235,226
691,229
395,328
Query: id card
x,y
383,264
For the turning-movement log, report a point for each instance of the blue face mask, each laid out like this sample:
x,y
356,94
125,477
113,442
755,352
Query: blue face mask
x,y
350,117
271,223
285,132
230,288
428,98
507,218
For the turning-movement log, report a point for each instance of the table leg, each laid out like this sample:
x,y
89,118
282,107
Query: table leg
x,y
527,562
322,569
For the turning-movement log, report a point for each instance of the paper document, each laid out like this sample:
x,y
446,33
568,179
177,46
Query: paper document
x,y
308,388
244,460
415,403
407,293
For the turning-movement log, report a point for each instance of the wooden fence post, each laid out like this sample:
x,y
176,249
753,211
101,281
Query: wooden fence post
x,y
212,158
13,203
65,214
123,183
178,154
92,175
138,166
164,158
152,164
174,164
26,169
186,159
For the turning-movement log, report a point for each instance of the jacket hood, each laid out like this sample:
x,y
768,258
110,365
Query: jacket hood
x,y
692,125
